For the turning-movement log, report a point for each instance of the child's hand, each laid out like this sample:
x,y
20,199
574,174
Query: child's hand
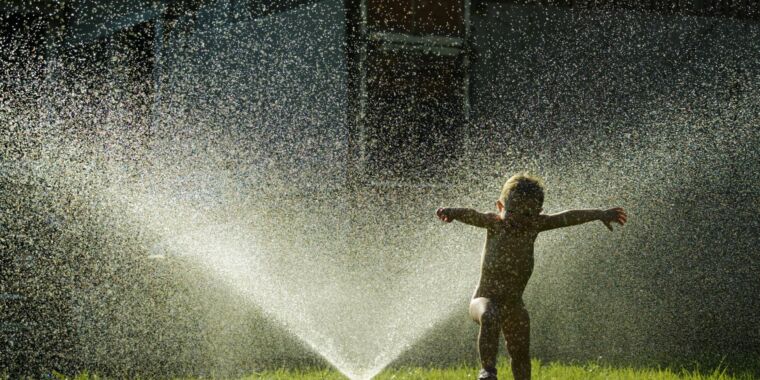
x,y
443,214
616,215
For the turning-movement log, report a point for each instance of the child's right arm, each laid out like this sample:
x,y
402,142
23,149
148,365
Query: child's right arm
x,y
575,217
467,216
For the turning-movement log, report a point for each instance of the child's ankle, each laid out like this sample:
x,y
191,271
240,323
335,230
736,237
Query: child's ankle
x,y
487,373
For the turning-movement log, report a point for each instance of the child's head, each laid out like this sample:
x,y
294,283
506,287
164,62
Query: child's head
x,y
523,194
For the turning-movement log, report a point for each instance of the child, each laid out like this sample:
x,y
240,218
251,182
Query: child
x,y
507,264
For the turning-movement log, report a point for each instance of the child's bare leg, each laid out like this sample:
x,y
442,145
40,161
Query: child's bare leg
x,y
517,334
486,314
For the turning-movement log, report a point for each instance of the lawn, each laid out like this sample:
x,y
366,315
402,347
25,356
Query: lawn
x,y
541,371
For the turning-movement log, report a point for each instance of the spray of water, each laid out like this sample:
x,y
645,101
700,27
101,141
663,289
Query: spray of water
x,y
358,284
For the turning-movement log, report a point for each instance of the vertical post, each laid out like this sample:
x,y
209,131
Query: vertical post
x,y
159,42
467,46
355,53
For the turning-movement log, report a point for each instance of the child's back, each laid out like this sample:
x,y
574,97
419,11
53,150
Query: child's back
x,y
507,262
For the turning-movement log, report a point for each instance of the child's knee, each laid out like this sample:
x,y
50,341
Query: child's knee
x,y
518,350
516,318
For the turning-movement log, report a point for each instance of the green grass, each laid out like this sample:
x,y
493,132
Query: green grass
x,y
551,371
541,371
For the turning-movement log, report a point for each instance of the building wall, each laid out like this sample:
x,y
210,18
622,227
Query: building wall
x,y
272,87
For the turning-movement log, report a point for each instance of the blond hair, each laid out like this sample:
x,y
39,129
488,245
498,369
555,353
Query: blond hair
x,y
524,184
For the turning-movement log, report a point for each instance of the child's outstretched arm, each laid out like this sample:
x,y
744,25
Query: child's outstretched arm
x,y
467,216
575,217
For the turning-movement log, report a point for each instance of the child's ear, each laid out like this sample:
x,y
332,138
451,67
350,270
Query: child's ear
x,y
499,205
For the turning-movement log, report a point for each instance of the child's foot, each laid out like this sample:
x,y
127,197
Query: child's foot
x,y
487,374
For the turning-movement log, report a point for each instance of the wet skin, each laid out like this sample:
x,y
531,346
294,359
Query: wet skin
x,y
506,267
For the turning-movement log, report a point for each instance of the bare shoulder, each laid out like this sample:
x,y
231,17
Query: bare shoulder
x,y
543,222
489,220
493,219
493,216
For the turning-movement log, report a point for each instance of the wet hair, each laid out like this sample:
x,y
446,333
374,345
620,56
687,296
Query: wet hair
x,y
525,185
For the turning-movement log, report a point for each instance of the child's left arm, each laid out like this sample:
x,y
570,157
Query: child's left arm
x,y
467,216
575,217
